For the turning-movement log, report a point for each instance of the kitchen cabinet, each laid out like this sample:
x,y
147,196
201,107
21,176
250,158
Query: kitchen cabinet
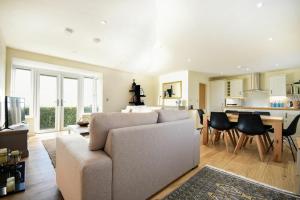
x,y
217,95
235,88
278,85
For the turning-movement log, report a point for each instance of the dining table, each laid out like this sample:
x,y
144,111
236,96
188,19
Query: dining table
x,y
274,121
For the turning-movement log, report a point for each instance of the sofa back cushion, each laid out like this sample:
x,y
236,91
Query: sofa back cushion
x,y
101,123
171,115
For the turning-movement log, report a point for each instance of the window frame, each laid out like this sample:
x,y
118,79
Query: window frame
x,y
33,104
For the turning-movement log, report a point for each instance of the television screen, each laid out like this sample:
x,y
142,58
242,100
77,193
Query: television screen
x,y
14,111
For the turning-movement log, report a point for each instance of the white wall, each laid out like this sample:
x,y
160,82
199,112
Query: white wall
x,y
171,77
2,77
195,78
190,87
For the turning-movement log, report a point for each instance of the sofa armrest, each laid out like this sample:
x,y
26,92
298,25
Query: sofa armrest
x,y
82,174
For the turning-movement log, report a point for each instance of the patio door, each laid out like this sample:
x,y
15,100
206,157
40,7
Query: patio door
x,y
47,102
69,101
57,101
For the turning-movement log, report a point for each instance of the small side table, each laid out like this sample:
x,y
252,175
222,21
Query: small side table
x,y
76,129
298,155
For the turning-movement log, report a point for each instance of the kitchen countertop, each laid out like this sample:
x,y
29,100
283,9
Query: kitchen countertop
x,y
261,108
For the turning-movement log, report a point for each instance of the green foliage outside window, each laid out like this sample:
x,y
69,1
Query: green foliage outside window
x,y
70,115
47,118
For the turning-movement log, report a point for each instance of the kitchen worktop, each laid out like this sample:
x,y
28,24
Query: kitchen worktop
x,y
261,108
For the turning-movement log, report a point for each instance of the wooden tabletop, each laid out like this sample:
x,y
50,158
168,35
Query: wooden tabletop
x,y
263,117
261,108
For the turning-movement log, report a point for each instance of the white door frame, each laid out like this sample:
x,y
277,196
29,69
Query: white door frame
x,y
75,77
57,108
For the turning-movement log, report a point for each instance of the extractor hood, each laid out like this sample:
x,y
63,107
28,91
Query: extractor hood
x,y
255,83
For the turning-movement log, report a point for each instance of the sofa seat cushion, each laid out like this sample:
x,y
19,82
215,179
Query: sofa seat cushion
x,y
171,115
101,123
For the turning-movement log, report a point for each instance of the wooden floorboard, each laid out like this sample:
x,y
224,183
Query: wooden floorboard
x,y
40,174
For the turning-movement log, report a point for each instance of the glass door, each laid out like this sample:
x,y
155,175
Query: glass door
x,y
69,101
47,109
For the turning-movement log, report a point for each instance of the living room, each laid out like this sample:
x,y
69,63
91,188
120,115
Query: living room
x,y
172,100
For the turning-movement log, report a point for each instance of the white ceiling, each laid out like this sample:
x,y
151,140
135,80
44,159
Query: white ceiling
x,y
148,36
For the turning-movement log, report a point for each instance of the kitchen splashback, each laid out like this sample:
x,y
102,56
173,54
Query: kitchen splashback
x,y
257,99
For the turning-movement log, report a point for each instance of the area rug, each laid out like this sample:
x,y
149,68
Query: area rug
x,y
214,183
50,146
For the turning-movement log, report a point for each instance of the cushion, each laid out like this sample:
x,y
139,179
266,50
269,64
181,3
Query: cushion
x,y
101,123
171,115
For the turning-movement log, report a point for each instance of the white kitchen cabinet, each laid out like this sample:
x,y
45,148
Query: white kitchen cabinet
x,y
235,88
217,95
278,85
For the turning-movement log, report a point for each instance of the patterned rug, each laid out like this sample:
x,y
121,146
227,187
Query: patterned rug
x,y
213,183
50,146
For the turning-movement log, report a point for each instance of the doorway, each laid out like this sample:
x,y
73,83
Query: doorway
x,y
202,96
57,101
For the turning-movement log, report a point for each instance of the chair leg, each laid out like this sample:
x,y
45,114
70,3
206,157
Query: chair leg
x,y
266,143
271,146
291,149
270,142
232,138
237,133
240,142
251,140
293,143
269,139
225,135
245,141
260,147
201,129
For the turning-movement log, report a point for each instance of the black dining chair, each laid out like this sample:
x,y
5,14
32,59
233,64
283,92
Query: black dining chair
x,y
220,122
288,133
251,126
269,128
200,113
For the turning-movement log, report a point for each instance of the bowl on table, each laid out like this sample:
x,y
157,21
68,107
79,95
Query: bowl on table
x,y
83,123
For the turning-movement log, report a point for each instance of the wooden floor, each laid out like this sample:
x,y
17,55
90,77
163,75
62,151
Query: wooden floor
x,y
40,174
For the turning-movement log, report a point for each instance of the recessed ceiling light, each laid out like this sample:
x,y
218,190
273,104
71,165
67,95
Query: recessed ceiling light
x,y
221,73
270,39
189,60
239,67
104,22
247,69
259,4
69,31
97,40
276,65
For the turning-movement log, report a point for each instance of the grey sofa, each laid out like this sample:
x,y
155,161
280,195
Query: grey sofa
x,y
130,156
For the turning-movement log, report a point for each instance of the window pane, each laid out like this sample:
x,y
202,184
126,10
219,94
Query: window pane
x,y
70,101
88,95
23,87
48,101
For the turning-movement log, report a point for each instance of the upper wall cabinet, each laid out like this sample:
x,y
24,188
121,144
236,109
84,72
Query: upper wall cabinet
x,y
235,88
278,85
